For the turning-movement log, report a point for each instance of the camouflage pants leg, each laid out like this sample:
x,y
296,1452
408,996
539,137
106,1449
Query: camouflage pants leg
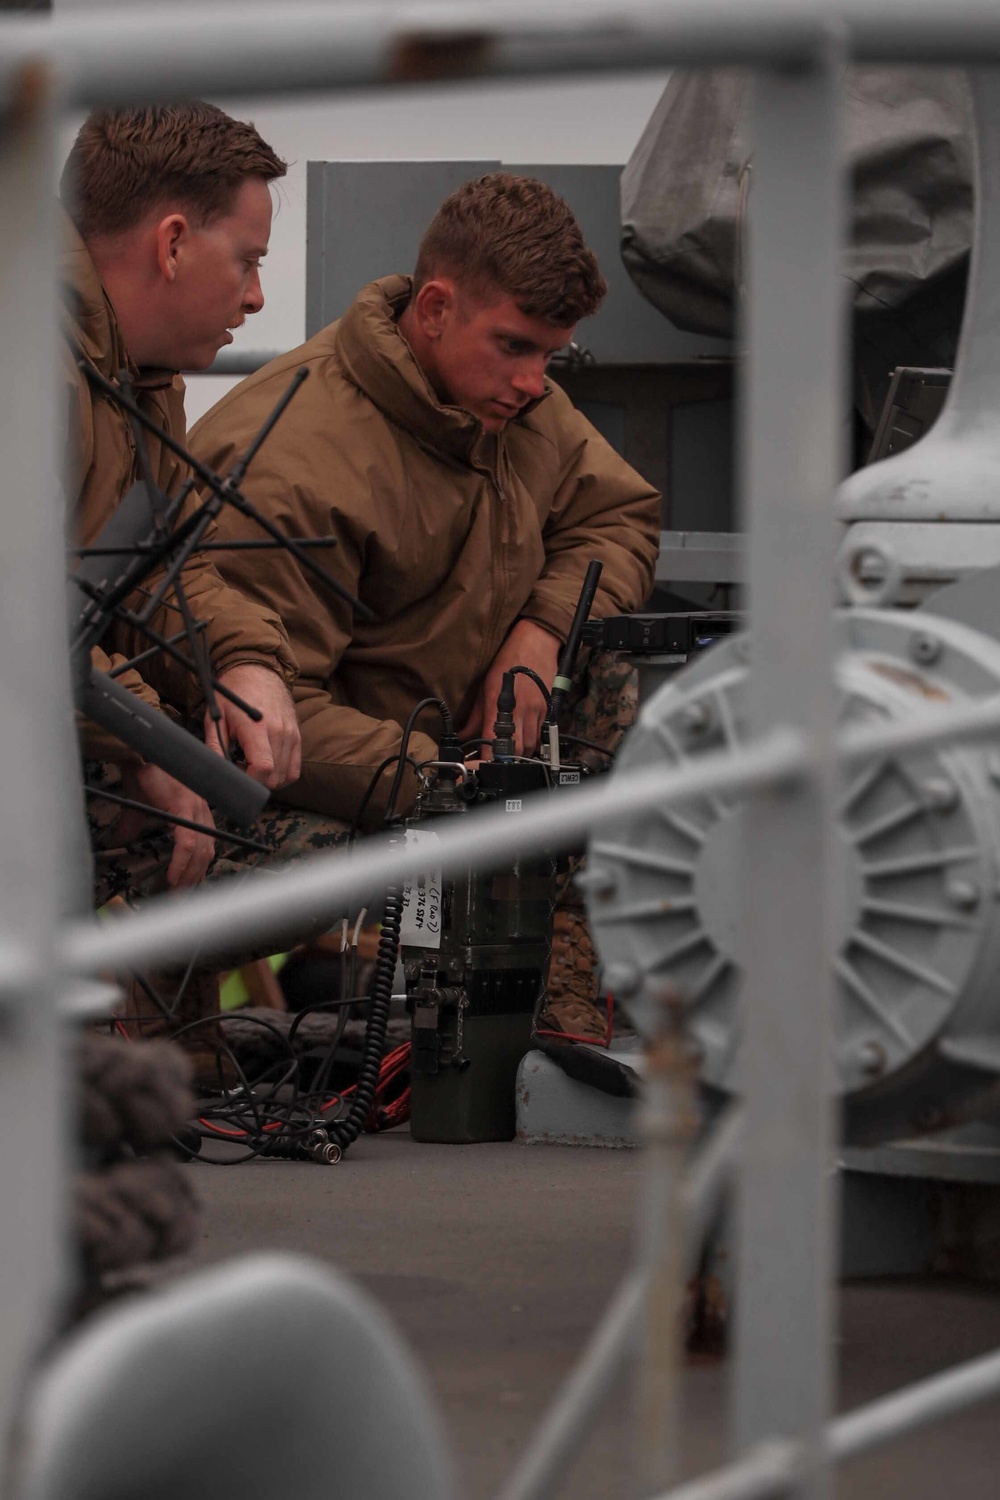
x,y
602,707
128,875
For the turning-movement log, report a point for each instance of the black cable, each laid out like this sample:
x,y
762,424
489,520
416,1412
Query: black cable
x,y
151,994
539,684
578,739
270,1127
345,1132
343,1002
319,1088
355,827
448,725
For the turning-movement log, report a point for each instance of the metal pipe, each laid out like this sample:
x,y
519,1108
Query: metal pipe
x,y
568,1419
566,1422
768,1472
268,904
795,390
709,1178
963,721
773,1469
212,919
192,50
38,805
668,1122
915,1406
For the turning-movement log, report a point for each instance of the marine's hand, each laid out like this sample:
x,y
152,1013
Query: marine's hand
x,y
193,852
272,747
527,645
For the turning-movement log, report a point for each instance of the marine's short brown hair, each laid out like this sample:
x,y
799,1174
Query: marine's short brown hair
x,y
126,162
515,234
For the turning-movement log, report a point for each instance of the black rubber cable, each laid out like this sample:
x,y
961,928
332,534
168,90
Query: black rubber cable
x,y
345,1132
447,724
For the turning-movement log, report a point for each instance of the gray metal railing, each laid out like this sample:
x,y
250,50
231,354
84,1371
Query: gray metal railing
x,y
794,384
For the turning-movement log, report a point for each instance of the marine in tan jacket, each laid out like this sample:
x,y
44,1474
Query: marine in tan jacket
x,y
171,214
102,466
466,493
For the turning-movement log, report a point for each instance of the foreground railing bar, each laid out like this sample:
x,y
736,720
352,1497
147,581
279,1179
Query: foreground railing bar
x,y
915,1406
211,920
188,50
266,903
772,1469
768,1472
566,1423
963,721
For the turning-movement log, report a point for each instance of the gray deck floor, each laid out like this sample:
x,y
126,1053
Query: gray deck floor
x,y
495,1260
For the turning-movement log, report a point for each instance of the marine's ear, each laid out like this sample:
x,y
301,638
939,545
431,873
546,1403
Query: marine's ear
x,y
432,306
172,232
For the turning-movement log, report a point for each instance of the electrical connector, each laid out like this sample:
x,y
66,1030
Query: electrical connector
x,y
503,728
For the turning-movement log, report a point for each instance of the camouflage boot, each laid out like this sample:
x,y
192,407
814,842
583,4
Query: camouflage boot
x,y
602,707
183,1009
571,1007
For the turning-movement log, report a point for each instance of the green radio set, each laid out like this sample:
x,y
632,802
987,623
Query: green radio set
x,y
476,946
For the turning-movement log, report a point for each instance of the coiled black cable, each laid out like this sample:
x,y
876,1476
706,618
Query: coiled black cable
x,y
345,1132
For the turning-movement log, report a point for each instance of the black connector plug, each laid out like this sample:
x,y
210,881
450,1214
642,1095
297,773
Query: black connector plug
x,y
450,748
503,728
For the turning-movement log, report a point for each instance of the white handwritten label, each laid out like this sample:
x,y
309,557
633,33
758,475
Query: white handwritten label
x,y
421,924
513,804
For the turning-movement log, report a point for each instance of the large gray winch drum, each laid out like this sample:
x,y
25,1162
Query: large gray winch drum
x,y
917,959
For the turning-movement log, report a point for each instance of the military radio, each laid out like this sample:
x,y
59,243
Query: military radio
x,y
476,946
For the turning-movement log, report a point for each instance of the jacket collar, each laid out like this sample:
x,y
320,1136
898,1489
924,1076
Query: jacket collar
x,y
89,319
379,361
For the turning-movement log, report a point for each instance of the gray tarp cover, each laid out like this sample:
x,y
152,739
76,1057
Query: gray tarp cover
x,y
909,142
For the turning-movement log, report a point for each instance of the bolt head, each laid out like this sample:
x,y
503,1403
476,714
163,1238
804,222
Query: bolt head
x,y
871,1058
598,880
871,566
925,648
963,894
940,794
697,718
623,980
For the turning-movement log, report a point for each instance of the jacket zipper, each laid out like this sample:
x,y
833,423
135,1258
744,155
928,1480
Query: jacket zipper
x,y
499,537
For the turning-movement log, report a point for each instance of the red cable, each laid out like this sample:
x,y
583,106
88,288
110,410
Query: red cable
x,y
392,1066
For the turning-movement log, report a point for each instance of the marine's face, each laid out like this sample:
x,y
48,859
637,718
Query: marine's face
x,y
488,356
216,282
